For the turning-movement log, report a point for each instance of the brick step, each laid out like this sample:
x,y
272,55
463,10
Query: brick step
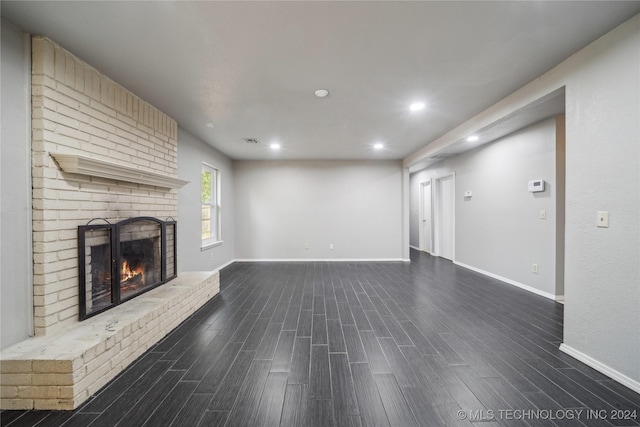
x,y
62,370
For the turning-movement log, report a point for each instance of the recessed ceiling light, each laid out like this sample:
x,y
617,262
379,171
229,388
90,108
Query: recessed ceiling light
x,y
417,106
275,146
378,146
210,125
321,93
473,138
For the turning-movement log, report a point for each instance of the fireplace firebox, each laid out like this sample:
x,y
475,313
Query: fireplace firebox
x,y
119,261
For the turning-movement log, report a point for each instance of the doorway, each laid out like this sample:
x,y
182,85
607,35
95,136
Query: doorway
x,y
444,218
426,217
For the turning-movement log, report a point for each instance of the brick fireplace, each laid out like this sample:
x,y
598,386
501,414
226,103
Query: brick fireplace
x,y
76,110
98,151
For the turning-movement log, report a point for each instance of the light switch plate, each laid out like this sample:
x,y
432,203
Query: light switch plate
x,y
603,219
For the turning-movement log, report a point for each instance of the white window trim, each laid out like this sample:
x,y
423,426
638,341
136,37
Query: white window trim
x,y
217,240
204,246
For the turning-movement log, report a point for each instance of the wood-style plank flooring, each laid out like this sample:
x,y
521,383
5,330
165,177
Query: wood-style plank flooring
x,y
358,344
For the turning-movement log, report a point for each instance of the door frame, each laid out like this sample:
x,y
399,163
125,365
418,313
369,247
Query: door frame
x,y
436,204
421,217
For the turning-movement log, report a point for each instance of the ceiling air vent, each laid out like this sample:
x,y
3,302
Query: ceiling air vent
x,y
250,140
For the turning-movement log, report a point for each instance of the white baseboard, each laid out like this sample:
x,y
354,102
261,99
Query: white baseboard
x,y
509,281
322,260
226,264
420,250
601,367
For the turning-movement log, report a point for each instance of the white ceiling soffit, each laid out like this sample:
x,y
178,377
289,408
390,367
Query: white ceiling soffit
x,y
551,105
231,70
543,108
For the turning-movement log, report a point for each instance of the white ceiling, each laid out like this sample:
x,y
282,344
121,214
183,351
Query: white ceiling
x,y
251,68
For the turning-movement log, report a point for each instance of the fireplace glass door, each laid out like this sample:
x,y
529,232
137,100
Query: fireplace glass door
x,y
119,261
139,259
98,271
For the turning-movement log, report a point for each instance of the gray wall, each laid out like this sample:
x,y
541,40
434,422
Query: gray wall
x,y
16,290
354,205
602,265
498,229
191,153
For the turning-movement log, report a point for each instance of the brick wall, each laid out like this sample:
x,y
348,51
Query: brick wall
x,y
78,110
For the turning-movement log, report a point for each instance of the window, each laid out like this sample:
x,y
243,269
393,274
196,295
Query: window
x,y
210,179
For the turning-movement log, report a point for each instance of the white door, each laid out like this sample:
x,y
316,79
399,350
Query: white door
x,y
426,220
445,211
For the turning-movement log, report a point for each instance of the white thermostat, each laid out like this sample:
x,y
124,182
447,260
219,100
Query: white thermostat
x,y
536,185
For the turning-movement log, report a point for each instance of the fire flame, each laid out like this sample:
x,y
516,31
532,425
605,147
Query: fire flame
x,y
128,273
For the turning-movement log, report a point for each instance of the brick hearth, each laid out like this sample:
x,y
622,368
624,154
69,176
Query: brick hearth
x,y
62,370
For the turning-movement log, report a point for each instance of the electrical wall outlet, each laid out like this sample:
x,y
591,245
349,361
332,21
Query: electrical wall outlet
x,y
331,246
534,268
306,246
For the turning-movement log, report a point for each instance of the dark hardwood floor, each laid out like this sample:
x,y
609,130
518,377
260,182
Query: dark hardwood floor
x,y
358,344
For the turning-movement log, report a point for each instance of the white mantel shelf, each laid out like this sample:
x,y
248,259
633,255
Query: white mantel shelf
x,y
84,165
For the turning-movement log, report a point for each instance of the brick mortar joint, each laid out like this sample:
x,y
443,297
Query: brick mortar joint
x,y
171,123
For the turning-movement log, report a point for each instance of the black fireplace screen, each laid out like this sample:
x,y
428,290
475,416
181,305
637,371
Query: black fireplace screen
x,y
120,261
